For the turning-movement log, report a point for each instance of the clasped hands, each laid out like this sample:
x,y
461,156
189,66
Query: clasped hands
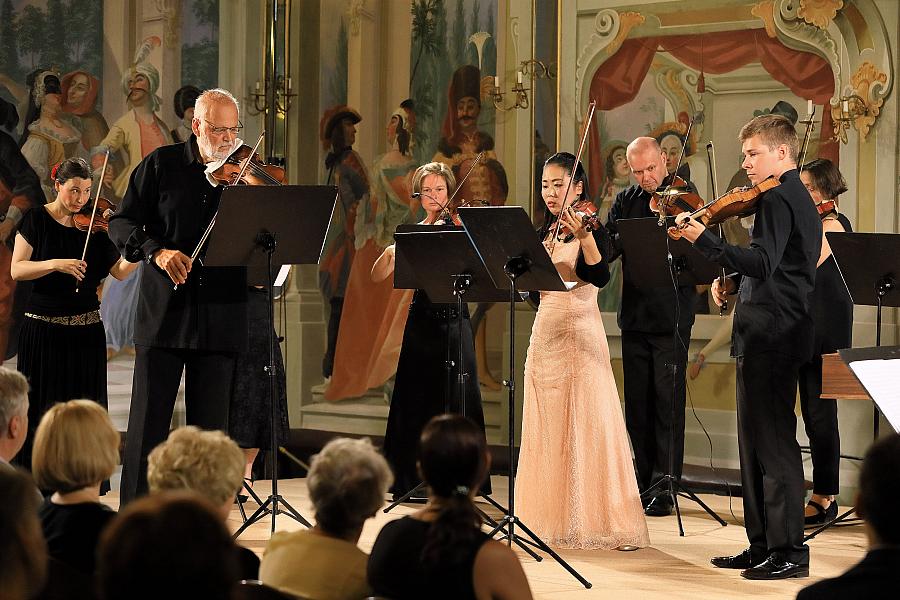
x,y
175,263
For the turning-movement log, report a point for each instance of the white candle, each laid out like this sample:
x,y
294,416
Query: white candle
x,y
257,85
809,107
289,84
518,76
845,107
496,82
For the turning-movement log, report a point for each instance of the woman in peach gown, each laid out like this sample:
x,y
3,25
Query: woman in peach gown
x,y
575,486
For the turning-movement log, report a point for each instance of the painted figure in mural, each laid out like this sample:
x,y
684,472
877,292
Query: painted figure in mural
x,y
646,317
183,103
138,132
461,141
617,178
574,440
20,190
420,390
347,171
79,97
374,314
198,329
773,337
47,137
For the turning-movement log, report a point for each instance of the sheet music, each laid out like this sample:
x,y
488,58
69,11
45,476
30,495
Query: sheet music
x,y
282,275
881,378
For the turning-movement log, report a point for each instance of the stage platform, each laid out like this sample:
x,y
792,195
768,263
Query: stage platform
x,y
673,567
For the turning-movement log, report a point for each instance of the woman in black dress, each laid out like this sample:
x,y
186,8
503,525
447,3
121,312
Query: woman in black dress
x,y
421,386
62,344
832,313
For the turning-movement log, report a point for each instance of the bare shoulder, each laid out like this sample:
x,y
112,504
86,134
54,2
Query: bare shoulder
x,y
498,574
832,224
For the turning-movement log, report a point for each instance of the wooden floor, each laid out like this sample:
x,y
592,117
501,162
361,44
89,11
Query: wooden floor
x,y
674,567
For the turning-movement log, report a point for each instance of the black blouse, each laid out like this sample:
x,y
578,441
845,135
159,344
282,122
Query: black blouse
x,y
54,294
73,530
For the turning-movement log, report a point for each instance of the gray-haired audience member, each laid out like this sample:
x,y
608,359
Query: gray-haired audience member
x,y
347,483
878,574
13,414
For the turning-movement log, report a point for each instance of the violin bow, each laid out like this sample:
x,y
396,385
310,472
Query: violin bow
x,y
445,208
803,148
87,237
212,222
587,128
711,155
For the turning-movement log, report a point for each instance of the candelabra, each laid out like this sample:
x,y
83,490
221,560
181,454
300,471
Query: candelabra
x,y
535,69
851,108
283,96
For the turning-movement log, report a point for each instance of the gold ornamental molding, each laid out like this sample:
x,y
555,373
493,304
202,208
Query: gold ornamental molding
x,y
819,12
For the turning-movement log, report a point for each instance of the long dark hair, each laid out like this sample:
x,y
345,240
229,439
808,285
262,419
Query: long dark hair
x,y
565,160
453,461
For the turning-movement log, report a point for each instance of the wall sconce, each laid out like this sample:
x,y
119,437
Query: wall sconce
x,y
535,69
850,108
283,97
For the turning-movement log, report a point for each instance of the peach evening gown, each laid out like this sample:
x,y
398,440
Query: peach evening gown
x,y
575,486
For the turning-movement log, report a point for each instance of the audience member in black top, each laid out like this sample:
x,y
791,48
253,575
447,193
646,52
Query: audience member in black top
x,y
169,545
440,551
878,574
197,329
647,319
208,463
832,312
76,448
24,555
62,344
773,336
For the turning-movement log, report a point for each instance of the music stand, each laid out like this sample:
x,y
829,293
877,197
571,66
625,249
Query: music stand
x,y
262,228
441,261
506,243
656,261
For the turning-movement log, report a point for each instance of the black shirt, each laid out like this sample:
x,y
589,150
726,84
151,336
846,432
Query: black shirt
x,y
72,531
777,272
646,310
169,204
395,567
54,294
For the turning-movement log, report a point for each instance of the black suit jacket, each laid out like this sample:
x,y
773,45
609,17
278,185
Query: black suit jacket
x,y
876,576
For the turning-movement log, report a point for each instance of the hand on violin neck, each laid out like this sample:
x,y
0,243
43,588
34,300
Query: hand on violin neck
x,y
687,227
175,263
571,221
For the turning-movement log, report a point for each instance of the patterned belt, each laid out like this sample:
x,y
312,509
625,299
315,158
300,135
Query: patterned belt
x,y
88,318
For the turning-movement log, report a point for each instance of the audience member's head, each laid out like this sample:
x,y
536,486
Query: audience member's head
x,y
76,446
206,462
879,489
453,460
169,545
347,482
13,412
24,555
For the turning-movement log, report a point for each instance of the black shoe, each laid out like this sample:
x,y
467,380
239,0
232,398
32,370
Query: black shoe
x,y
744,560
776,567
661,506
823,515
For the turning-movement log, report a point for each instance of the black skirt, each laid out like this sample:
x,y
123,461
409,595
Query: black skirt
x,y
61,363
249,416
421,385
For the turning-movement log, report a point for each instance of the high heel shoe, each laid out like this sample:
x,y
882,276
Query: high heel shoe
x,y
823,515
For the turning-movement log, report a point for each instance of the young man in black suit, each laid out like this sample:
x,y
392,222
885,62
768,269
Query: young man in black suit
x,y
772,338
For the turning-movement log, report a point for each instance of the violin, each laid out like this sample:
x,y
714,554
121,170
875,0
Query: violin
x,y
675,198
244,167
85,219
451,217
590,219
826,206
737,203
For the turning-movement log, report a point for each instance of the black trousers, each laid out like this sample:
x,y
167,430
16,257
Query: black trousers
x,y
334,324
821,423
771,467
157,374
649,397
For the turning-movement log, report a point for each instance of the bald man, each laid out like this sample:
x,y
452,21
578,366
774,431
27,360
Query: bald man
x,y
646,318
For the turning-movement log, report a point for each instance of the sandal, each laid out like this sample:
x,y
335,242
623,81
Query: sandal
x,y
241,498
823,515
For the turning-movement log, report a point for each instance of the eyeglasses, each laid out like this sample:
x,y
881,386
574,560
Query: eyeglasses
x,y
221,130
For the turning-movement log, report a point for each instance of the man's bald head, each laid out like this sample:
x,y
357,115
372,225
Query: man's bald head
x,y
647,162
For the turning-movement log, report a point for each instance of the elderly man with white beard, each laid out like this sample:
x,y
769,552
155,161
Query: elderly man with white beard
x,y
198,328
